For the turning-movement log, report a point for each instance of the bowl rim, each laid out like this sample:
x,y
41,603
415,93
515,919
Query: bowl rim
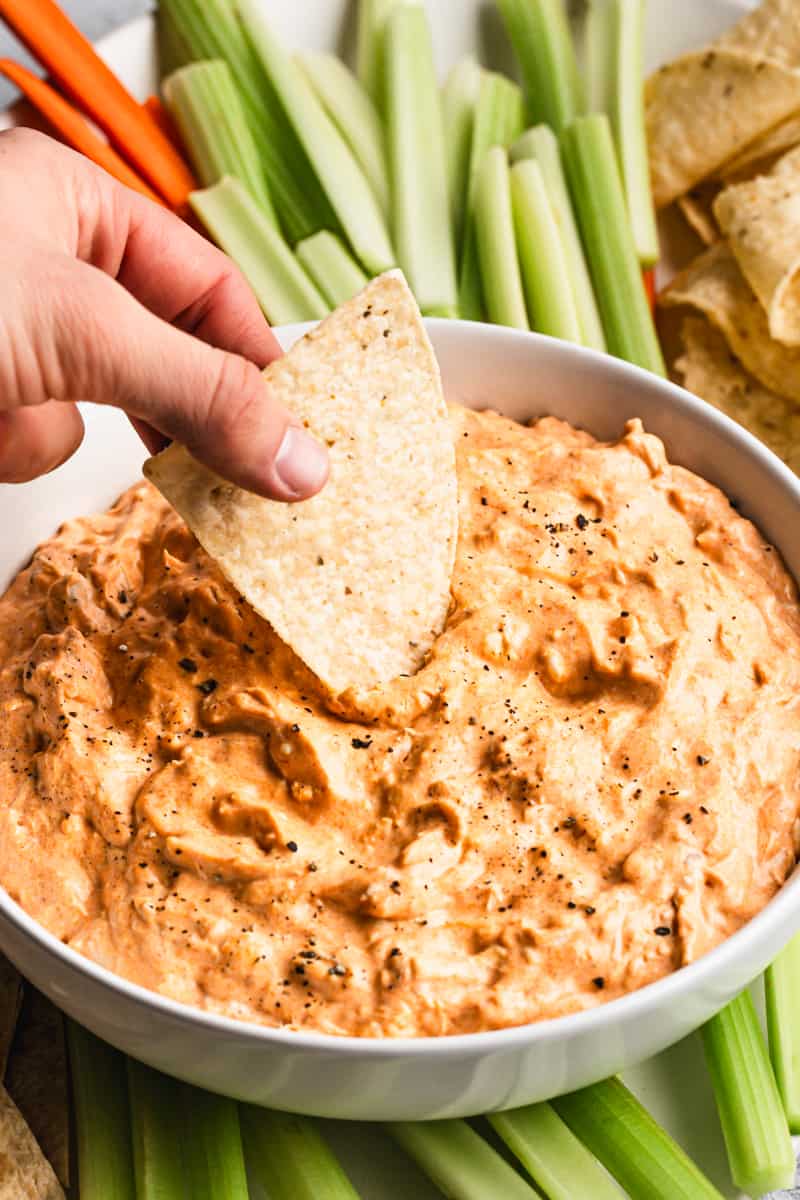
x,y
589,1020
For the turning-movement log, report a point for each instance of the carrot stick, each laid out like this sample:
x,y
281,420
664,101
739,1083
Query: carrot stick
x,y
72,126
649,280
71,60
161,115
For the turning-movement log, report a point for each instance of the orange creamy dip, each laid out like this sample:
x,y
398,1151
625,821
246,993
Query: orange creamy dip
x,y
592,781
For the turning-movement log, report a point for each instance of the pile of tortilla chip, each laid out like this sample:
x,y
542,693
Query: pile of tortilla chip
x,y
724,133
34,1103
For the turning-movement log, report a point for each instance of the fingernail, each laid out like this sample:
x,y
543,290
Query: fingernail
x,y
301,463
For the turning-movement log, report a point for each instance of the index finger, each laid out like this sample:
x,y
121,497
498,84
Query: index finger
x,y
178,275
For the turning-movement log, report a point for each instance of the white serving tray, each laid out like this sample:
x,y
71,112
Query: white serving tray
x,y
674,1086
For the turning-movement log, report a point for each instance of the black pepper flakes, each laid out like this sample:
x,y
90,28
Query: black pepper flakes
x,y
581,521
207,686
702,761
361,743
188,665
292,846
599,982
662,931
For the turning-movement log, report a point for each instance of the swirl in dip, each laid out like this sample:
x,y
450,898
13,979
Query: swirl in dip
x,y
592,780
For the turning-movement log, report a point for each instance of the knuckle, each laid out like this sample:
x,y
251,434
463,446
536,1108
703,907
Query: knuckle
x,y
237,408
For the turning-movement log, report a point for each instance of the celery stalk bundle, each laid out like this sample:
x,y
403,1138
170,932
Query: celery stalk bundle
x,y
209,29
339,174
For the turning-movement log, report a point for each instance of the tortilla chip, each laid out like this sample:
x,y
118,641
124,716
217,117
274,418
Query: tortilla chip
x,y
709,369
25,1173
714,284
772,30
762,221
357,579
37,1078
10,1001
763,152
697,207
705,107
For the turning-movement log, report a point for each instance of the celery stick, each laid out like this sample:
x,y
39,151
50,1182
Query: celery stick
x,y
613,54
545,274
210,30
782,987
599,201
355,116
157,1136
459,1162
541,144
498,122
335,272
102,1117
341,177
641,1156
627,119
540,34
598,46
423,232
753,1121
560,1166
215,1167
290,1159
459,98
372,17
497,248
239,227
208,111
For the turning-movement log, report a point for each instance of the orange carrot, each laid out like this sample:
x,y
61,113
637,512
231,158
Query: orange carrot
x,y
72,61
72,126
649,280
163,119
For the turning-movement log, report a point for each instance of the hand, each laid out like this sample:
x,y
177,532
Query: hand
x,y
109,298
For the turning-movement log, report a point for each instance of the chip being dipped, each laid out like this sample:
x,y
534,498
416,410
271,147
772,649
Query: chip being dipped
x,y
355,580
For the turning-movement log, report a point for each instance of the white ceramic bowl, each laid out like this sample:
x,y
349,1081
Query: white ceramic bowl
x,y
522,375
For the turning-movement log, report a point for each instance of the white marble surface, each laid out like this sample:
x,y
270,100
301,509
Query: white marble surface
x,y
94,17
